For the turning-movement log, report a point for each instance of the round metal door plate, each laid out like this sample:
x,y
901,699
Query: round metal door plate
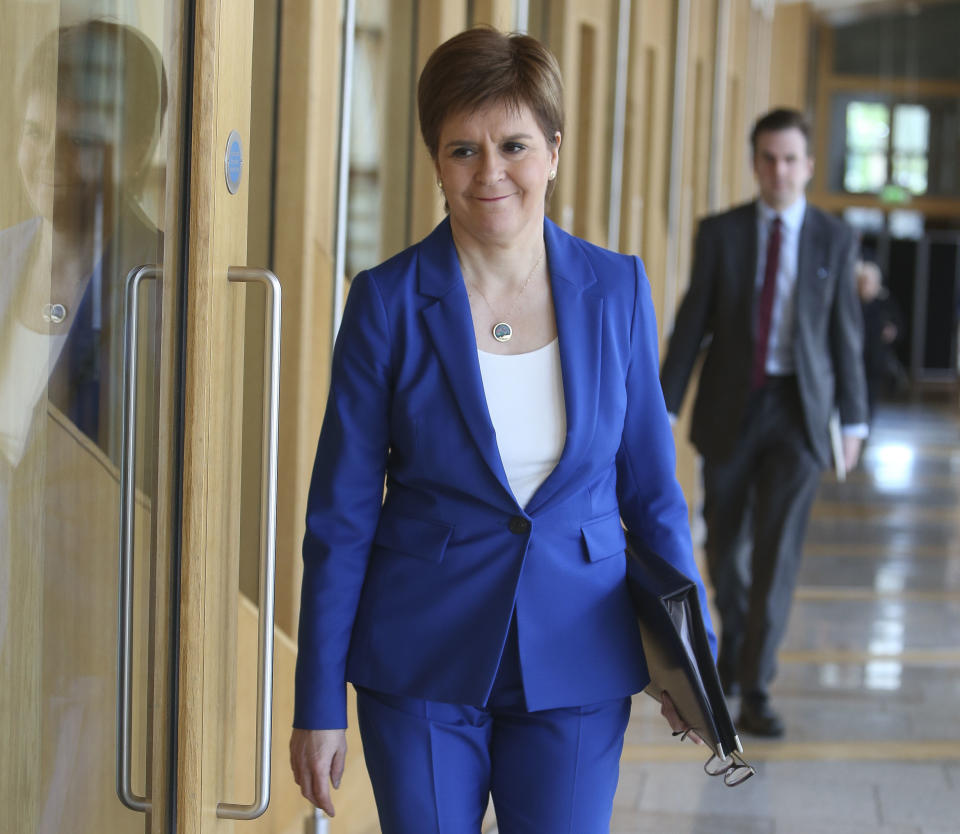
x,y
233,162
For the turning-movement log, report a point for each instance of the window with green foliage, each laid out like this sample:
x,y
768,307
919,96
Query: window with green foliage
x,y
868,135
886,146
911,139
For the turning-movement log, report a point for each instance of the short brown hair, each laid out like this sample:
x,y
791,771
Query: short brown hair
x,y
107,68
483,66
783,118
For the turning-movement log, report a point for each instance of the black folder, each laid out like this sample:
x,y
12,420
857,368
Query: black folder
x,y
677,648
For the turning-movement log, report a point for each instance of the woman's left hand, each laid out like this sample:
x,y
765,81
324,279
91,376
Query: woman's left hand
x,y
669,711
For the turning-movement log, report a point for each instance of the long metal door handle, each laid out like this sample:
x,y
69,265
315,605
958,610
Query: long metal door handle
x,y
229,810
128,447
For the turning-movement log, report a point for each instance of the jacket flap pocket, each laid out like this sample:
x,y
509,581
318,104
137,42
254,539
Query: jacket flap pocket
x,y
604,537
416,537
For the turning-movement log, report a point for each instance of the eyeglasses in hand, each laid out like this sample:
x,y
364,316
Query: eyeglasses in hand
x,y
733,768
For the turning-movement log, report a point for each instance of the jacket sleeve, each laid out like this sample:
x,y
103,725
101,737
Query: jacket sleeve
x,y
652,505
846,337
343,506
693,321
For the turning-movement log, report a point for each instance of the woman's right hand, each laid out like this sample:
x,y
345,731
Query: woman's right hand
x,y
317,758
669,711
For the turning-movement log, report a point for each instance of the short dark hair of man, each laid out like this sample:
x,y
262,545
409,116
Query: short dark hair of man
x,y
783,118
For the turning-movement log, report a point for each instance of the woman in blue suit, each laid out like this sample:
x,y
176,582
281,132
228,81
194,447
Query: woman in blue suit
x,y
502,376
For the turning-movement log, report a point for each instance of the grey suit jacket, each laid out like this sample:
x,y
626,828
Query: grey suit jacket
x,y
717,316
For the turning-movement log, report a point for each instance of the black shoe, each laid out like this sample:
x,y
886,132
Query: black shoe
x,y
760,719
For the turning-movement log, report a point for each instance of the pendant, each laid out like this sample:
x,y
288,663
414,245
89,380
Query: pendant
x,y
502,332
53,313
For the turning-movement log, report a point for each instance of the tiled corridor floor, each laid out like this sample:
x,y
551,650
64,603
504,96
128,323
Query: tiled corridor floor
x,y
869,681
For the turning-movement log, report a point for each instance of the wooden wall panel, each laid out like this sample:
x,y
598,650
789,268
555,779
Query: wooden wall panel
x,y
694,193
303,240
739,180
696,135
496,13
582,37
705,40
438,20
791,46
401,131
647,154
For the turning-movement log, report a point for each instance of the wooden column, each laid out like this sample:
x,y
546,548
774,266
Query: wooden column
x,y
791,49
438,20
498,13
303,244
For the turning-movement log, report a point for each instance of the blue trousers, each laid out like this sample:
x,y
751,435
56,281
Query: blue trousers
x,y
433,765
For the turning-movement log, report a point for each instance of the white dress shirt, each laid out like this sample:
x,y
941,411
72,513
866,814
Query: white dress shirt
x,y
780,360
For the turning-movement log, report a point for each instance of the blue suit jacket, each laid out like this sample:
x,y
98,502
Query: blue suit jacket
x,y
412,592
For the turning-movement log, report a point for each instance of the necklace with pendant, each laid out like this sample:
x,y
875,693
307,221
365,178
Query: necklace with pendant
x,y
53,313
502,330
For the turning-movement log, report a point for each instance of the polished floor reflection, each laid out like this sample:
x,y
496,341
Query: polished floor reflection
x,y
869,681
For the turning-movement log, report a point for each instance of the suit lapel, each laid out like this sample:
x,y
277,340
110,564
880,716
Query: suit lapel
x,y
450,325
580,331
746,249
579,327
811,265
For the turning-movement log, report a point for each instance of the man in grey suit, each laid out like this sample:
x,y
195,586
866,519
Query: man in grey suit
x,y
772,303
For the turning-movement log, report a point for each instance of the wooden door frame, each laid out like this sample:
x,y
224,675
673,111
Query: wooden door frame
x,y
212,381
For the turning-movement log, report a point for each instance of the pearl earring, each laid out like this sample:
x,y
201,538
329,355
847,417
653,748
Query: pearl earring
x,y
440,184
552,175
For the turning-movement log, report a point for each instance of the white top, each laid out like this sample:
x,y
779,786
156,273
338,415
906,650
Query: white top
x,y
525,399
25,364
780,345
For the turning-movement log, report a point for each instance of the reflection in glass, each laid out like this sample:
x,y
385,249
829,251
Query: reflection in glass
x,y
891,465
840,676
890,578
884,675
83,153
887,631
91,100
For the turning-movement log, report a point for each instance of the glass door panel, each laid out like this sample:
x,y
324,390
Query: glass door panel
x,y
89,195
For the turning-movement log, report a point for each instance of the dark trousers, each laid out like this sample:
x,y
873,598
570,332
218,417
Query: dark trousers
x,y
756,506
434,765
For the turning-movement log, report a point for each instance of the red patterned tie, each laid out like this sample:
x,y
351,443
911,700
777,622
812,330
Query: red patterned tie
x,y
765,309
